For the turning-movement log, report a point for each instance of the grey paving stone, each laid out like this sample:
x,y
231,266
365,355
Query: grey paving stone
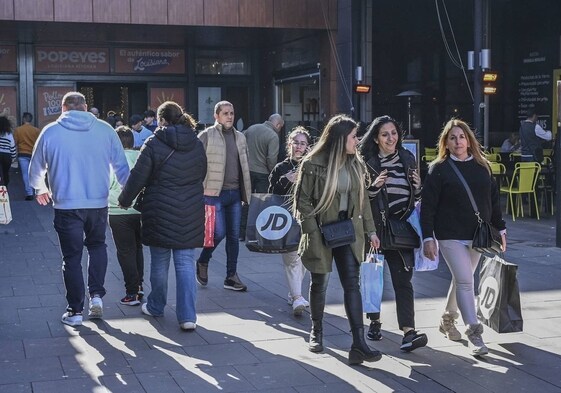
x,y
124,384
153,361
222,354
340,387
94,363
18,331
16,388
206,378
30,370
283,373
11,350
70,386
158,382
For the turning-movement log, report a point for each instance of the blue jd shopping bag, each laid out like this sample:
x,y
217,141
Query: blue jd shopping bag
x,y
372,282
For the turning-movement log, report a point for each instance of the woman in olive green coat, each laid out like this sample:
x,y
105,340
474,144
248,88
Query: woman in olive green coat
x,y
331,187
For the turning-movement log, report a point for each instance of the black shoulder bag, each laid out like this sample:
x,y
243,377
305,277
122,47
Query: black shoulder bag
x,y
154,176
396,233
486,239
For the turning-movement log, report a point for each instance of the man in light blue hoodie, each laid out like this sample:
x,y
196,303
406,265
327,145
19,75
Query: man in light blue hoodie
x,y
76,152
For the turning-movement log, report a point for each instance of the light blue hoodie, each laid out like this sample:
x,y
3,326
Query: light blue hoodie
x,y
76,152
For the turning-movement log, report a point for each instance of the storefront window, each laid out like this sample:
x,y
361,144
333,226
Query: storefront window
x,y
222,62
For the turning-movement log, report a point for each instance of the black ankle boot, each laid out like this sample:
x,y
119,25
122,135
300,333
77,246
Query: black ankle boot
x,y
316,337
360,351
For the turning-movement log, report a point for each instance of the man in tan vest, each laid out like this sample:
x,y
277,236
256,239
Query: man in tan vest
x,y
226,185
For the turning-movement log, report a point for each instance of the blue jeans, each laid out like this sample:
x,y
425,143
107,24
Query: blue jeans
x,y
71,226
185,287
228,219
23,163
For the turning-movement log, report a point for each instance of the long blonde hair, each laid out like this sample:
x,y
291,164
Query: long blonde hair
x,y
474,146
333,142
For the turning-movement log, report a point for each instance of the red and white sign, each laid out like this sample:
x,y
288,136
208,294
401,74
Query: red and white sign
x,y
70,60
159,95
8,102
49,103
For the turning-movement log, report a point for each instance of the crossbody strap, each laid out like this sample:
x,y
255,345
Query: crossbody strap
x,y
468,190
156,172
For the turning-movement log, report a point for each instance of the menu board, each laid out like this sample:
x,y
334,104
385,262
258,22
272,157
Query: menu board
x,y
534,86
49,102
149,61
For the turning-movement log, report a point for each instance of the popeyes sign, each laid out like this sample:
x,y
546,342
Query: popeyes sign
x,y
71,60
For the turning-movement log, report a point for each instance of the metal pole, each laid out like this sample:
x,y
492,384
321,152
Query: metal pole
x,y
557,188
409,114
486,122
477,74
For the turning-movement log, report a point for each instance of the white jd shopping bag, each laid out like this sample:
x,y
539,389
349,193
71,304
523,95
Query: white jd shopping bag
x,y
372,282
5,211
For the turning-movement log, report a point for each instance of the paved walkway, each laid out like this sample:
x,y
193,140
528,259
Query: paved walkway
x,y
250,342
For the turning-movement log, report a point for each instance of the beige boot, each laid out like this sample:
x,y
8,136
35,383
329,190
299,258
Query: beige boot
x,y
448,326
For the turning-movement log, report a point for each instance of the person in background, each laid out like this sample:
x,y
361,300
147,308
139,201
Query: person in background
x,y
330,187
140,132
511,144
94,111
227,185
125,227
119,121
398,184
77,152
532,136
447,215
263,147
173,214
111,121
150,120
8,152
25,136
281,182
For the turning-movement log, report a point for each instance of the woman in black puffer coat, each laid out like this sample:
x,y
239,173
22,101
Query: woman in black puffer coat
x,y
173,213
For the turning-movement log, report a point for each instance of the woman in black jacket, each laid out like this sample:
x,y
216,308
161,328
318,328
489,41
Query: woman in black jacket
x,y
281,182
171,168
448,216
397,185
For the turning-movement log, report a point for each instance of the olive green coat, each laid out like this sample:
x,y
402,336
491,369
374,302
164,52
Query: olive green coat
x,y
311,184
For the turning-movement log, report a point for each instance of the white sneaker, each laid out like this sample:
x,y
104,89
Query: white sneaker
x,y
188,326
476,344
96,308
144,309
290,301
299,305
72,319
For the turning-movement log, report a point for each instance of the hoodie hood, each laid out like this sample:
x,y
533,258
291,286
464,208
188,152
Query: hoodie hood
x,y
178,137
77,120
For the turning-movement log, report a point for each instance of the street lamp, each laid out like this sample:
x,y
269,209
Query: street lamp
x,y
409,94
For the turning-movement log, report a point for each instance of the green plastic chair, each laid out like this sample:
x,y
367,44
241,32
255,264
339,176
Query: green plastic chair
x,y
523,181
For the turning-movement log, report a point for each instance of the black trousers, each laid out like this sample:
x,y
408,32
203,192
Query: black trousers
x,y
5,164
126,234
401,281
348,269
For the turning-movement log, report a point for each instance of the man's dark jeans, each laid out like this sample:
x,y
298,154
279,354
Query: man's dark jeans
x,y
77,228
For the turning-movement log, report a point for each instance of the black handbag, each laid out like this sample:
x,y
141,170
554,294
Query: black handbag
x,y
486,239
138,204
396,233
338,233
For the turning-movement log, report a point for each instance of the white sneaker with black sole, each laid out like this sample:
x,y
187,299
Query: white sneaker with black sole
x,y
96,308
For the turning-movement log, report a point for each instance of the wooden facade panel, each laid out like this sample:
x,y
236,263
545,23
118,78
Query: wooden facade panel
x,y
39,10
256,13
181,14
6,9
73,11
149,12
317,13
112,11
290,13
221,13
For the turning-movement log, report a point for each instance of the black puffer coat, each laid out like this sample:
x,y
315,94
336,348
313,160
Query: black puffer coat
x,y
173,214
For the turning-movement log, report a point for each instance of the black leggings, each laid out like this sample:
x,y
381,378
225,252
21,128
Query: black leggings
x,y
401,281
348,269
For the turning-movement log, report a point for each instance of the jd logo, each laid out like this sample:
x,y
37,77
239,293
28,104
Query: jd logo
x,y
488,296
273,223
